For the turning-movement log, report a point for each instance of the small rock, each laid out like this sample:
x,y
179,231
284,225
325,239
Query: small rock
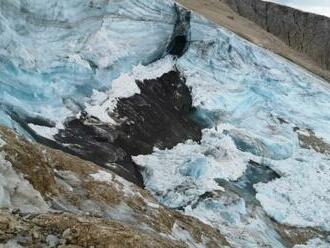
x,y
4,223
66,234
15,211
24,240
35,235
62,241
74,233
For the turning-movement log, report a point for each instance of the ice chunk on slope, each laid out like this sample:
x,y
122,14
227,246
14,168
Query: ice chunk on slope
x,y
192,167
103,176
184,178
47,132
301,197
16,192
181,234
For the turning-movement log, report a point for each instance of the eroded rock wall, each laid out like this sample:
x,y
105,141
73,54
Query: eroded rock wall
x,y
305,32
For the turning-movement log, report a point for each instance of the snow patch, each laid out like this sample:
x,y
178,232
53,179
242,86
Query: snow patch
x,y
120,183
46,132
102,104
103,176
183,235
2,142
152,205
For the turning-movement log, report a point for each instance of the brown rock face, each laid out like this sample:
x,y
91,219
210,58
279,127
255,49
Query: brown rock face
x,y
68,230
305,32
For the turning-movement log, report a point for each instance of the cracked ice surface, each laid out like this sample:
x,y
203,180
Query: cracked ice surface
x,y
253,88
253,101
53,54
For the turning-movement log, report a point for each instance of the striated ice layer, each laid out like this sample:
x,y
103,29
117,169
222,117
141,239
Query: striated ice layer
x,y
257,107
53,54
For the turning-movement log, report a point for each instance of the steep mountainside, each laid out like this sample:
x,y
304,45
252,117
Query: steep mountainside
x,y
305,32
247,19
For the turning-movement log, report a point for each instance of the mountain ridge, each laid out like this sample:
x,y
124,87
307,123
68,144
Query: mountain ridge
x,y
246,19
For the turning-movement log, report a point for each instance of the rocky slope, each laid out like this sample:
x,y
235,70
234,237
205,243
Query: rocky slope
x,y
58,199
305,32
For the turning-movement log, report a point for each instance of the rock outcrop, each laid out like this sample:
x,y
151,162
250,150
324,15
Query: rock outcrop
x,y
86,206
305,32
158,116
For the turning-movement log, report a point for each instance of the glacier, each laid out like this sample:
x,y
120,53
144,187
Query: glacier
x,y
56,53
262,115
255,106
